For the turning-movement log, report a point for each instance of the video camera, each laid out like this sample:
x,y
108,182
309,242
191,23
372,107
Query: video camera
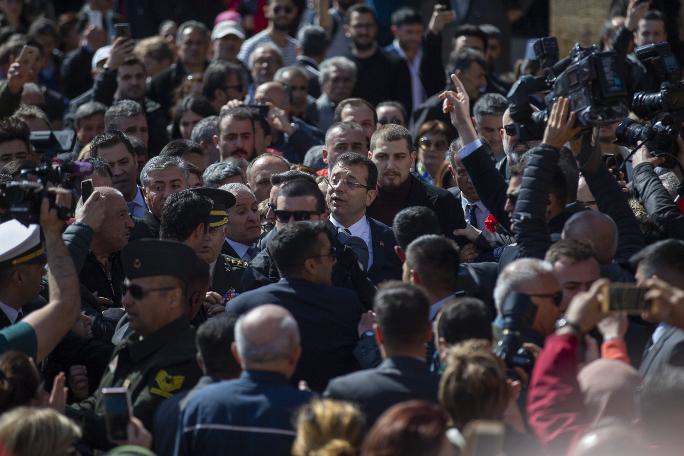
x,y
592,81
663,109
21,199
518,314
49,144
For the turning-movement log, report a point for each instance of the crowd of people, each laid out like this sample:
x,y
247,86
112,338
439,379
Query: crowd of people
x,y
280,227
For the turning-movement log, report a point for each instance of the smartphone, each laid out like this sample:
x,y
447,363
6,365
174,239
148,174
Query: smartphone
x,y
86,189
624,297
261,108
483,438
117,412
122,30
95,19
28,56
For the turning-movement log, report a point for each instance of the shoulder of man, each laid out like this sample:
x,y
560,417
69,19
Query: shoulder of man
x,y
231,263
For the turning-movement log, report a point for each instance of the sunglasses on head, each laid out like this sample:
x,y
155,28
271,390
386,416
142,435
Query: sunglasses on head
x,y
138,292
299,216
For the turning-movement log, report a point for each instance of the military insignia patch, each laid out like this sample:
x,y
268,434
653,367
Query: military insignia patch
x,y
167,384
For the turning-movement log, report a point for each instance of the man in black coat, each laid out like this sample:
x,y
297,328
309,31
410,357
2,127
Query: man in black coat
x,y
327,316
391,149
402,328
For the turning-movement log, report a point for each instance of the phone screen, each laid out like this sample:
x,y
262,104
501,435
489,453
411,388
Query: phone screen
x,y
86,189
28,56
117,414
122,30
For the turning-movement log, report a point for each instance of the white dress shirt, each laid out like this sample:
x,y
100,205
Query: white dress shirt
x,y
360,229
481,212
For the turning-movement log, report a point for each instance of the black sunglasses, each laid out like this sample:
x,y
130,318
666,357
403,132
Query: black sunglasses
x,y
557,297
138,292
299,216
510,129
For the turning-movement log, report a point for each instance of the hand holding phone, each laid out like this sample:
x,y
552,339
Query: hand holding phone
x,y
122,30
118,412
86,189
624,297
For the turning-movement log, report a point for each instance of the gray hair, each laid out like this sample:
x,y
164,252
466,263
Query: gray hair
x,y
162,162
89,109
328,65
279,347
192,25
205,130
339,127
515,274
123,109
270,47
235,188
489,104
280,74
216,173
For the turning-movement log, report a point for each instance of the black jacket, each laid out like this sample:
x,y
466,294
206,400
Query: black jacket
x,y
661,209
76,72
162,87
145,228
386,264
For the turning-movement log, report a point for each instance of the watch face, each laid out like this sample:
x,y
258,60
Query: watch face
x,y
368,333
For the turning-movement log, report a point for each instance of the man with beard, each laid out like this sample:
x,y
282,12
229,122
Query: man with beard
x,y
387,78
236,134
197,217
115,149
280,14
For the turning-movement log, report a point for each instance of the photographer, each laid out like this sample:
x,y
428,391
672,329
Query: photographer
x,y
39,332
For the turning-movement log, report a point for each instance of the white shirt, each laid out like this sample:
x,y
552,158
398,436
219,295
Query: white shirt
x,y
417,90
481,213
360,229
10,312
240,248
137,206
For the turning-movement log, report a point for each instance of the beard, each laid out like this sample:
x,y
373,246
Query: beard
x,y
363,46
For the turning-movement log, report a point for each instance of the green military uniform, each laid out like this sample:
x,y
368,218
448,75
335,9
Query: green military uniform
x,y
155,367
227,275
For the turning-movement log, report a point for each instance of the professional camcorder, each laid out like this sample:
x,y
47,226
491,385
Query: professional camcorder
x,y
518,314
21,199
592,81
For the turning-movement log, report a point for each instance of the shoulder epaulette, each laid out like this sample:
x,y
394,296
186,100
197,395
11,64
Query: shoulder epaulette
x,y
235,262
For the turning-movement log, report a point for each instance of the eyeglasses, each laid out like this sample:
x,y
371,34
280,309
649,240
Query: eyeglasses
x,y
285,9
299,216
138,292
335,181
557,297
427,143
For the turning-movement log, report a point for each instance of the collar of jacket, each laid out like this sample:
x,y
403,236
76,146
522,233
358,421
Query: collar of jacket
x,y
405,363
258,376
140,349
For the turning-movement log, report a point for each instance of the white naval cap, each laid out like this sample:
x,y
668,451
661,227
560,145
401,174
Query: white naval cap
x,y
20,244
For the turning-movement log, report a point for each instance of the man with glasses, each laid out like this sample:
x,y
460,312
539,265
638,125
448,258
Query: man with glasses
x,y
351,189
303,253
281,15
158,359
224,81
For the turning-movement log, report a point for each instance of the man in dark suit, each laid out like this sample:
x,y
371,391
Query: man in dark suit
x,y
352,188
402,328
666,347
391,149
327,316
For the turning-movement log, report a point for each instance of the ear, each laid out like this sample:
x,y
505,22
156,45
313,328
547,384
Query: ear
x,y
347,31
414,155
395,30
379,336
236,354
451,170
370,197
324,155
502,133
399,253
414,277
200,361
442,347
370,155
295,355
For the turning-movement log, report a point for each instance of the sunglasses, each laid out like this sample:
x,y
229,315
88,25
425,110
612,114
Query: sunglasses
x,y
138,292
427,143
510,129
557,297
299,216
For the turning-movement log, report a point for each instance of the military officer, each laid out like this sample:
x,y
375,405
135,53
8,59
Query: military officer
x,y
158,359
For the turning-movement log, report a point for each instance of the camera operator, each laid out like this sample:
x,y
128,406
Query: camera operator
x,y
39,332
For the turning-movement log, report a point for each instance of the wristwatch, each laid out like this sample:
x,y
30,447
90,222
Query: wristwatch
x,y
368,333
562,322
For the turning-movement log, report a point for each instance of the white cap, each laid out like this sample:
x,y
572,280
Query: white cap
x,y
100,55
19,244
226,28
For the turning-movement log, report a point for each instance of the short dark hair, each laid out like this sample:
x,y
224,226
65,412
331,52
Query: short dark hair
x,y
100,167
489,104
287,176
205,130
213,340
191,24
294,244
663,258
354,159
436,259
216,173
573,249
396,105
391,133
313,40
110,139
406,16
192,103
402,312
464,318
412,222
12,128
303,187
87,110
472,30
354,102
462,60
360,8
217,73
122,109
43,26
182,213
654,15
239,113
180,147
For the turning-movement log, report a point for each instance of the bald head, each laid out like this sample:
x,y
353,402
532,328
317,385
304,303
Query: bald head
x,y
273,92
267,337
260,171
597,228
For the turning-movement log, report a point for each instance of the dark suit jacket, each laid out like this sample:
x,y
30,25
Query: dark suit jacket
x,y
4,321
227,274
668,351
228,249
327,317
386,264
145,228
375,390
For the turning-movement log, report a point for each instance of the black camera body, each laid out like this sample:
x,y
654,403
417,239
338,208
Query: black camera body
x,y
518,314
659,136
21,199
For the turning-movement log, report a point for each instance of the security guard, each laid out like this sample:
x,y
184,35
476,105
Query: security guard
x,y
158,359
227,271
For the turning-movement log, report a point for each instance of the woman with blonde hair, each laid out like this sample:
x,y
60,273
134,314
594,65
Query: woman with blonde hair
x,y
30,431
328,428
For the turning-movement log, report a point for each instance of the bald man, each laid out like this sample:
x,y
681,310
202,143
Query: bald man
x,y
292,136
251,414
259,173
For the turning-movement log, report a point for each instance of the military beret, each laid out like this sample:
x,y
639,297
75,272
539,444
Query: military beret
x,y
20,244
222,201
154,257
